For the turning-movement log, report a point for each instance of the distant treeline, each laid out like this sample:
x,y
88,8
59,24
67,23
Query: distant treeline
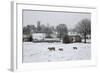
x,y
60,30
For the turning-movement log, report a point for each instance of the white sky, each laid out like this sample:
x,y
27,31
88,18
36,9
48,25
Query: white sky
x,y
53,18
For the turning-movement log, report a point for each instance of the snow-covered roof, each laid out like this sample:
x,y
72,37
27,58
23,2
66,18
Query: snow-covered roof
x,y
38,35
73,34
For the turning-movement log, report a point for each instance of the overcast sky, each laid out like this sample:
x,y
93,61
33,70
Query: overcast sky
x,y
53,18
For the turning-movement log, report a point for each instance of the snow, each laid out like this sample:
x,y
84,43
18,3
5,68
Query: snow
x,y
39,52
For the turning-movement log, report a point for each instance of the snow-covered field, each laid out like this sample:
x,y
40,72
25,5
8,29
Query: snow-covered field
x,y
39,52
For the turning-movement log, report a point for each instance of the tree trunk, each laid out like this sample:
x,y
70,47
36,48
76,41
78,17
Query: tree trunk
x,y
84,38
60,36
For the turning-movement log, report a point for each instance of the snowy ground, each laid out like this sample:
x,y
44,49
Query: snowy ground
x,y
39,52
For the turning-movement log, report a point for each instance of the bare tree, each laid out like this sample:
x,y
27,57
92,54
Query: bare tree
x,y
62,30
26,30
48,31
29,29
32,28
84,28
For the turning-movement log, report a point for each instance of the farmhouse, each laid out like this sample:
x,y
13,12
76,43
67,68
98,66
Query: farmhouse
x,y
38,36
41,37
74,37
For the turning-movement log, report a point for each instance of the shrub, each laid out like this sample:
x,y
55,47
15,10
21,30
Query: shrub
x,y
78,39
30,39
48,36
66,39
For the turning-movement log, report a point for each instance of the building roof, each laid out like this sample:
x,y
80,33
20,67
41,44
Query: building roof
x,y
73,34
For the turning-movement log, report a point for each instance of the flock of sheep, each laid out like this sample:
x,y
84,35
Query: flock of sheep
x,y
60,49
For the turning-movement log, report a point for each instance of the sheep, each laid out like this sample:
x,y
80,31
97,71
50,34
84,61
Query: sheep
x,y
51,48
75,48
60,49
